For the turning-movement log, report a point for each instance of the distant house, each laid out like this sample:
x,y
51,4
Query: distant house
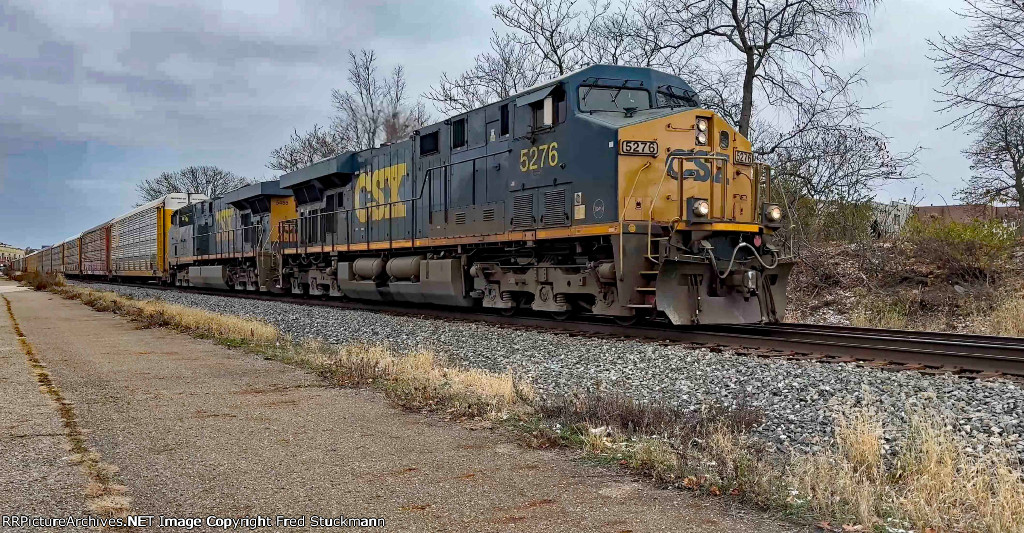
x,y
8,254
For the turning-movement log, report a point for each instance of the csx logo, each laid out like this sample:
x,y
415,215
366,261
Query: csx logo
x,y
703,171
374,185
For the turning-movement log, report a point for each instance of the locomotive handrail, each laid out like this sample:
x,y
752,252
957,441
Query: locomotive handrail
x,y
682,178
622,214
256,228
384,207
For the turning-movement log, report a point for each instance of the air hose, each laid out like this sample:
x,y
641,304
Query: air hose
x,y
732,260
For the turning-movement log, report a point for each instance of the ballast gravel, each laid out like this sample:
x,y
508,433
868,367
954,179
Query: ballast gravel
x,y
800,400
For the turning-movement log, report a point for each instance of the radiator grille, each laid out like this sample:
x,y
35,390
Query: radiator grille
x,y
488,215
460,217
554,208
522,210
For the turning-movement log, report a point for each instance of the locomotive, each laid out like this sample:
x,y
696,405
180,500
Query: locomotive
x,y
607,191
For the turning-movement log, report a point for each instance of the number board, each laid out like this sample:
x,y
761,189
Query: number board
x,y
744,158
648,148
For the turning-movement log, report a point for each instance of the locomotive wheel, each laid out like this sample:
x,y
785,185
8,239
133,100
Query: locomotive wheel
x,y
627,320
561,315
508,311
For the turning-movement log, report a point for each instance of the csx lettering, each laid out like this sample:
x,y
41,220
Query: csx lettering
x,y
536,157
704,170
374,185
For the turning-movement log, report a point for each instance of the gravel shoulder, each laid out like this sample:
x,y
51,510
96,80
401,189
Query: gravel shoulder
x,y
38,477
800,400
197,429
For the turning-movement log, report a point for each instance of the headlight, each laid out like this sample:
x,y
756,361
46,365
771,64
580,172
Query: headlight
x,y
701,208
702,138
773,213
702,124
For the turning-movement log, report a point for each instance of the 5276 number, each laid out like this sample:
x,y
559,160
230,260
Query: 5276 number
x,y
538,156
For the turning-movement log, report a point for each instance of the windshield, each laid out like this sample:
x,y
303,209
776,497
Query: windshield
x,y
594,98
672,96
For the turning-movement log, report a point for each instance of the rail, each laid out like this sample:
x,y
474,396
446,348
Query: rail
x,y
972,355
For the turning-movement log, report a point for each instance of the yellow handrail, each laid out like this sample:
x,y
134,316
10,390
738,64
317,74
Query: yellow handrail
x,y
657,196
622,213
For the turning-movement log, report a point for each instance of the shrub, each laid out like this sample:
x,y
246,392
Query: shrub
x,y
968,252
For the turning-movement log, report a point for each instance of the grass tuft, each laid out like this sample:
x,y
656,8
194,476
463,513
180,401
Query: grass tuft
x,y
1007,318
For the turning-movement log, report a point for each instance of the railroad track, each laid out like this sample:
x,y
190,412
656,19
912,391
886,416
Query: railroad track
x,y
970,355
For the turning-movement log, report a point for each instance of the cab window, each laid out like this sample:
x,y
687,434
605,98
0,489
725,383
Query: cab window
x,y
594,98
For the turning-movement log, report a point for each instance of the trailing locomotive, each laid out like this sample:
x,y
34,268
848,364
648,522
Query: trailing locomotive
x,y
607,191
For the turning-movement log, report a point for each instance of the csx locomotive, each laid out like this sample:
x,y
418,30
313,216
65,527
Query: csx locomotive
x,y
608,191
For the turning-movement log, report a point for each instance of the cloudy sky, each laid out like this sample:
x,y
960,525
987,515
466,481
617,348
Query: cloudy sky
x,y
95,96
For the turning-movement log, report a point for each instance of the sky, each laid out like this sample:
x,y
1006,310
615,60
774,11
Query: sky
x,y
96,96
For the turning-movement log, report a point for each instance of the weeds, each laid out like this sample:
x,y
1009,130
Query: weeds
x,y
1007,318
964,252
932,483
40,281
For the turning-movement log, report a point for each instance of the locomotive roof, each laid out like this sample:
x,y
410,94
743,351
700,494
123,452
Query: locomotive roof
x,y
649,77
263,188
640,77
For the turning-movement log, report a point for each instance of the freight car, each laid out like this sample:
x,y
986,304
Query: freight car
x,y
607,191
132,246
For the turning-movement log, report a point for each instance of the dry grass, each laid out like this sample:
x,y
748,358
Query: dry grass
x,y
154,313
706,450
932,483
417,380
39,281
887,312
1007,319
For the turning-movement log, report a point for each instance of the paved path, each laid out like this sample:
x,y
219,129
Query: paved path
x,y
197,430
37,475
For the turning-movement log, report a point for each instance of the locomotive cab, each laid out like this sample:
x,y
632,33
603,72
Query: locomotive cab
x,y
695,209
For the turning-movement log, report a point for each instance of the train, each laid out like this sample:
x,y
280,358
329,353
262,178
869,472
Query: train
x,y
608,191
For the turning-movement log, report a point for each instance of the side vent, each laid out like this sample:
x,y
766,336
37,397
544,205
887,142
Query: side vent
x,y
460,217
522,210
554,208
488,215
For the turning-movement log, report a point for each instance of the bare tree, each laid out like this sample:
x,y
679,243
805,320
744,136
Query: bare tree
x,y
556,29
984,69
768,41
372,111
376,109
997,160
825,179
509,67
307,148
204,179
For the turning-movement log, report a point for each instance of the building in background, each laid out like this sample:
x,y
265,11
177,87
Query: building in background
x,y
888,219
968,213
8,254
